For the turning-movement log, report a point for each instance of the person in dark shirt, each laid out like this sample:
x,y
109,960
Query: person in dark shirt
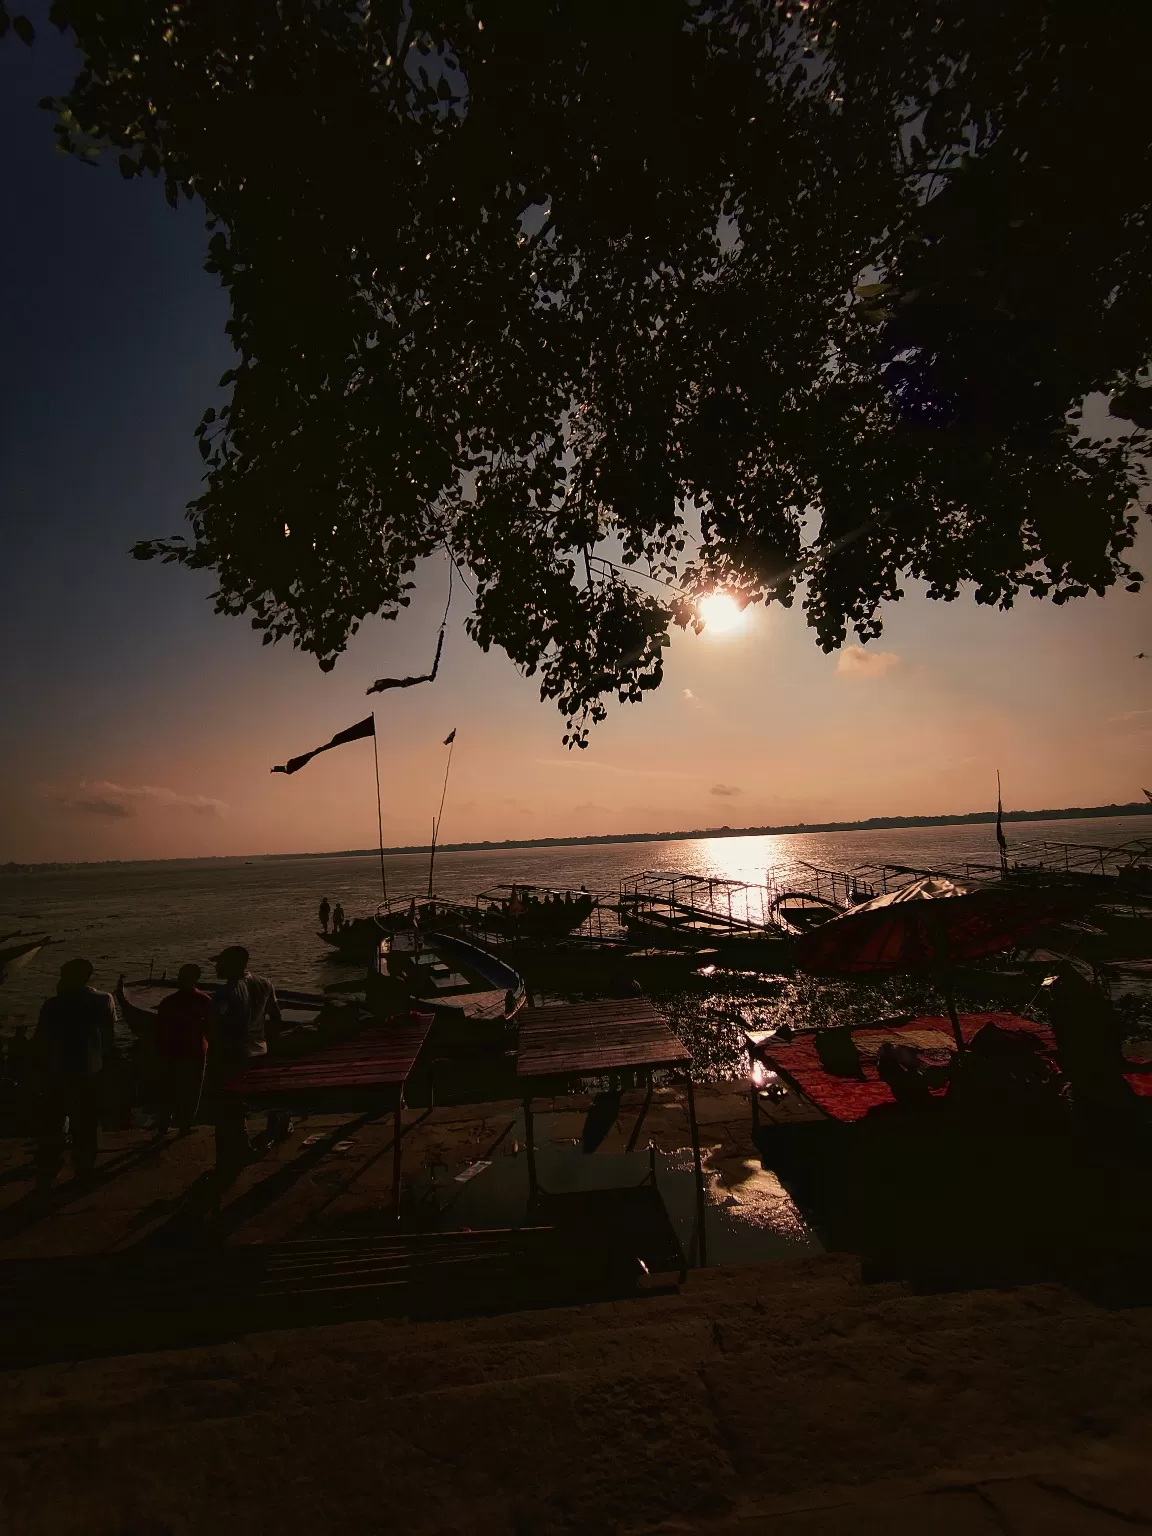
x,y
325,913
17,1058
242,1011
182,1023
1090,1049
74,1040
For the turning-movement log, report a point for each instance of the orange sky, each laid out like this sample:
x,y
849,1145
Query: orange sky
x,y
749,729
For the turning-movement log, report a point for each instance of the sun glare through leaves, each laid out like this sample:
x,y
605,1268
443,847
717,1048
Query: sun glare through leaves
x,y
722,614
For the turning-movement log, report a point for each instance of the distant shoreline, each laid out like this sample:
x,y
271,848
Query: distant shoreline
x,y
872,824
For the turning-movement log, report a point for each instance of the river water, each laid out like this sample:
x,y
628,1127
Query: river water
x,y
131,917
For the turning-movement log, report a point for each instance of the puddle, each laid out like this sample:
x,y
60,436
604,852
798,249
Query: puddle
x,y
749,1215
712,1019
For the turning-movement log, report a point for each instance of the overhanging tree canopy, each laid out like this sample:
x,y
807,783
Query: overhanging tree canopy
x,y
616,303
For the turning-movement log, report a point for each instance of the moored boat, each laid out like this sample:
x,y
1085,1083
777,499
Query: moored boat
x,y
358,941
15,956
532,911
473,993
308,1019
799,911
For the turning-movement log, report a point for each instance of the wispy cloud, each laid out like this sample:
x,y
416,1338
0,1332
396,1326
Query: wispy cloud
x,y
587,764
99,805
688,695
103,798
517,806
725,791
856,661
1129,714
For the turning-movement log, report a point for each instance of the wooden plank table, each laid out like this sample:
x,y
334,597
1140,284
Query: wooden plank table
x,y
585,1039
375,1064
594,1040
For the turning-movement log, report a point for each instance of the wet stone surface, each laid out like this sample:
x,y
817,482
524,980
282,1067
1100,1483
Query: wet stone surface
x,y
333,1175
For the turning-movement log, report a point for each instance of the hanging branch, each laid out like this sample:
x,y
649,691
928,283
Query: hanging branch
x,y
383,683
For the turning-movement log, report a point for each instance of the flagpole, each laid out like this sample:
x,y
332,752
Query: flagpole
x,y
440,812
1000,839
379,810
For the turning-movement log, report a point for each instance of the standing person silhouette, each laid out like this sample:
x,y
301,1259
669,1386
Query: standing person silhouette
x,y
74,1040
337,918
182,1022
242,1010
325,913
17,1058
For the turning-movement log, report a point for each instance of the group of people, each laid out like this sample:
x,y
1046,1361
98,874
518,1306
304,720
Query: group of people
x,y
551,901
335,913
191,1047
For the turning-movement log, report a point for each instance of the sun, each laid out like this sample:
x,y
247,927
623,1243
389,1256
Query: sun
x,y
721,613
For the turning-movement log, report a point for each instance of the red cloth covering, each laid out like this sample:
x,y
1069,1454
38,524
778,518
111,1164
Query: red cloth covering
x,y
181,1025
934,921
850,1098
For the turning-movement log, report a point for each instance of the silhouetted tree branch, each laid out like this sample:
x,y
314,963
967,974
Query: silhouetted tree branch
x,y
822,284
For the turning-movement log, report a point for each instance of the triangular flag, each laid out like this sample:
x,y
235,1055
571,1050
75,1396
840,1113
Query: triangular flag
x,y
353,733
1000,838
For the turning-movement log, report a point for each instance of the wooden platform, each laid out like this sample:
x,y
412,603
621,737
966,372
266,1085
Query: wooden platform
x,y
377,1060
593,1040
368,1072
587,1039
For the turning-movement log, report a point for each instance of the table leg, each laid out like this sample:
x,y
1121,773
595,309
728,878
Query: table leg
x,y
701,1204
397,1130
530,1149
631,1147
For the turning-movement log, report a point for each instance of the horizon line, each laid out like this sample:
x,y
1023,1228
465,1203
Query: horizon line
x,y
793,829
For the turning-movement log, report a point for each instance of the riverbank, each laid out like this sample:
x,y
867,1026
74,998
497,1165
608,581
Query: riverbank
x,y
782,1400
816,1395
792,829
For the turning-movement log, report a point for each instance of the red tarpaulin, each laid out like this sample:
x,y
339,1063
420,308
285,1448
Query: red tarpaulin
x,y
850,1098
930,924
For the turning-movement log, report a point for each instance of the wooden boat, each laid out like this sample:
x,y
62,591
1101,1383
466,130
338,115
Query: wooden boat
x,y
309,1019
687,911
799,911
473,994
14,957
532,911
358,942
1012,988
941,1185
672,930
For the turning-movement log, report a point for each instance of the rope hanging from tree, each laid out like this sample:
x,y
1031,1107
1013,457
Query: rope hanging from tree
x,y
382,684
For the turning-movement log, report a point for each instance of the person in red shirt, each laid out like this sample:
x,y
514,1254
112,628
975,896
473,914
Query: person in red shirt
x,y
181,1047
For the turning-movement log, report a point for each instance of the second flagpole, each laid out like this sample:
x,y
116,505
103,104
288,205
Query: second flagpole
x,y
379,811
449,742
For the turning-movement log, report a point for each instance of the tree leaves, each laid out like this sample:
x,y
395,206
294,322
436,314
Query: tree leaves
x,y
819,284
19,24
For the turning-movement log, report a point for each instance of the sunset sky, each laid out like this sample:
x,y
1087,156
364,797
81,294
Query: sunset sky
x,y
139,725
